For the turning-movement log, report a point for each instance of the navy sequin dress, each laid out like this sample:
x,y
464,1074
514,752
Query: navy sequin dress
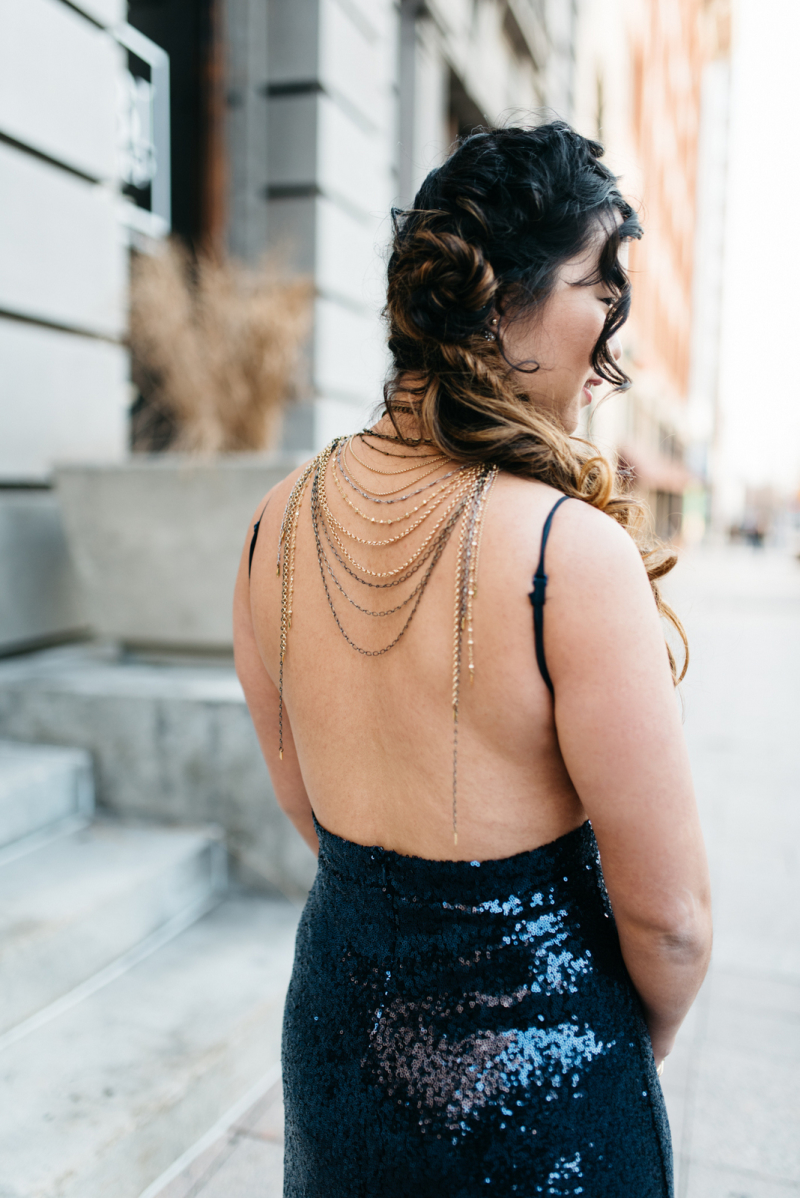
x,y
457,1029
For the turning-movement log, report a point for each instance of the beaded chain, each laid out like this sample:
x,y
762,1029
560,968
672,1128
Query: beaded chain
x,y
436,458
457,498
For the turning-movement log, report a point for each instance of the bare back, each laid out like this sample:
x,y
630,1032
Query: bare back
x,y
368,740
374,735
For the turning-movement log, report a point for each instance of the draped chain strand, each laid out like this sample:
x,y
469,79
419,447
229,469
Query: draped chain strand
x,y
456,499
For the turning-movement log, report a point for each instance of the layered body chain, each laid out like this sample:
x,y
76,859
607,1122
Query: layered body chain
x,y
455,500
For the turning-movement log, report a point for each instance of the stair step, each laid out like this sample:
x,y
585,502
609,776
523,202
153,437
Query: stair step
x,y
74,905
106,1096
41,786
242,1155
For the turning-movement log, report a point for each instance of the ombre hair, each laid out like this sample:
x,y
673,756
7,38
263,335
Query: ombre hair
x,y
481,247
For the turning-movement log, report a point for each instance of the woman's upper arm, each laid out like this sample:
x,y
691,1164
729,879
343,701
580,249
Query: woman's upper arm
x,y
261,694
618,722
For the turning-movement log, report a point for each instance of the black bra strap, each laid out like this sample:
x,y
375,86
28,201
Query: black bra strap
x,y
537,598
254,539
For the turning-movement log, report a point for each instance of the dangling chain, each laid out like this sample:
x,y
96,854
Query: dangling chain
x,y
469,545
286,547
458,496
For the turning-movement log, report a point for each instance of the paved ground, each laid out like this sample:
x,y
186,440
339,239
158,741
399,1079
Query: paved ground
x,y
733,1083
245,1162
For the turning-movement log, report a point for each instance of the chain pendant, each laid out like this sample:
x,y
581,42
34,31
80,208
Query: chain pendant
x,y
465,588
455,500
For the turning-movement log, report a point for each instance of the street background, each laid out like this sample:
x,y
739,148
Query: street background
x,y
732,1084
196,201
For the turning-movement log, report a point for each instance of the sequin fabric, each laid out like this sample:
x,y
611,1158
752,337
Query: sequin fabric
x,y
461,1028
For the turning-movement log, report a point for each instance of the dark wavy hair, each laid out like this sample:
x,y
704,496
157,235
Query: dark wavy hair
x,y
482,246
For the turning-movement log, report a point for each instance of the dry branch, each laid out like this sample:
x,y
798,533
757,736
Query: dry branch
x,y
216,347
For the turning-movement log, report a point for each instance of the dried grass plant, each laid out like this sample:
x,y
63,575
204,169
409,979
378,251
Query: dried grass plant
x,y
216,349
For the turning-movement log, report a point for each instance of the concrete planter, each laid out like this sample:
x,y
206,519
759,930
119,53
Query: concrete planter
x,y
40,598
156,543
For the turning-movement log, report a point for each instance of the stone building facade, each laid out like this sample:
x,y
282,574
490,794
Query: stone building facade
x,y
72,121
295,126
657,98
312,118
62,290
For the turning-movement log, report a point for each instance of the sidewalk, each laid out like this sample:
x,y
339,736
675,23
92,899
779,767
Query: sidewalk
x,y
733,1082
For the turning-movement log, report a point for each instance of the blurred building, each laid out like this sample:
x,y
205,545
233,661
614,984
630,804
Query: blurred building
x,y
652,84
292,127
245,126
702,507
297,124
62,290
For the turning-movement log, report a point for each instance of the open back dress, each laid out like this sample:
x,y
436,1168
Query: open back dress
x,y
466,1028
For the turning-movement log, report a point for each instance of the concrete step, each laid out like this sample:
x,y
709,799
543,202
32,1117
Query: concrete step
x,y
241,1156
41,787
104,1098
74,905
169,741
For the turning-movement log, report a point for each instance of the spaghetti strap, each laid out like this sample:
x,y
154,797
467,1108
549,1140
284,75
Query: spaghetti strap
x,y
537,598
253,540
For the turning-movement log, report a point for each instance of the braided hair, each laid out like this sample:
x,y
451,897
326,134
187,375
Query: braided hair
x,y
481,247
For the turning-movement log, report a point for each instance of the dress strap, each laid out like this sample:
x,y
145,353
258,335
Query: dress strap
x,y
253,540
537,598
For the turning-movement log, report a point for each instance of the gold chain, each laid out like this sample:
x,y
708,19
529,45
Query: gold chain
x,y
457,488
375,519
382,494
428,457
462,499
470,472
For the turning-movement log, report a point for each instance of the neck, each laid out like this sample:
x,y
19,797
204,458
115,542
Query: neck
x,y
405,406
405,423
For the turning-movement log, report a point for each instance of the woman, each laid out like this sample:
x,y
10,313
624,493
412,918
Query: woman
x,y
465,1015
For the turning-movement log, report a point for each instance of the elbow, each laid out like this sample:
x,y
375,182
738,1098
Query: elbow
x,y
682,934
689,945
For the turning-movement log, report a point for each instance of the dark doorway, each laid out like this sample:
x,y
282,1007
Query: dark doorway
x,y
189,31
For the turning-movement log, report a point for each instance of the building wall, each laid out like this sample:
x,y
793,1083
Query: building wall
x,y
476,64
642,95
64,278
330,170
63,368
702,507
667,53
364,99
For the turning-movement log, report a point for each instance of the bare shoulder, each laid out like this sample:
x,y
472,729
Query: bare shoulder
x,y
602,626
271,506
589,546
594,568
581,536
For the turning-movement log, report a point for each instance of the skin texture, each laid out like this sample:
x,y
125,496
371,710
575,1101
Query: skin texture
x,y
368,741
